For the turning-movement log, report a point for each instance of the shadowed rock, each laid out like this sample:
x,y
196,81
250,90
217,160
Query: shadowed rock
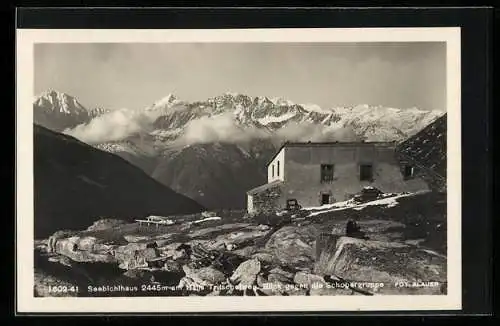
x,y
387,262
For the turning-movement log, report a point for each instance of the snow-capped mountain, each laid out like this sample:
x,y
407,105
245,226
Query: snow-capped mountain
x,y
373,123
163,103
58,111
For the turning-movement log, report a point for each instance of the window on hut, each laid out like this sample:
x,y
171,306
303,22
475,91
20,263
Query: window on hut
x,y
326,172
278,169
272,170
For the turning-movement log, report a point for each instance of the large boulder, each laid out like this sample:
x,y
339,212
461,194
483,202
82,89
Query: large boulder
x,y
401,268
71,247
62,234
207,276
293,246
246,273
135,256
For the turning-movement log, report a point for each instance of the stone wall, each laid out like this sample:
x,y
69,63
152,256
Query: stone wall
x,y
268,200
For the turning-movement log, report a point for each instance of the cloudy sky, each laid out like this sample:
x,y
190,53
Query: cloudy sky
x,y
133,76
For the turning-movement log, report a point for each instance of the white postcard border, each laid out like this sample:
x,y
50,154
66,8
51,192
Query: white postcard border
x,y
26,302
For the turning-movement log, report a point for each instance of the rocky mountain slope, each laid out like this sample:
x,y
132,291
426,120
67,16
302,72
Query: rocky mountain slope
x,y
427,151
428,147
76,184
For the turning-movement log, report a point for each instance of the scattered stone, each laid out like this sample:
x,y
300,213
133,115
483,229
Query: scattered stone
x,y
307,279
231,247
207,214
368,194
264,257
172,266
281,271
294,289
130,258
246,272
61,260
134,273
274,287
87,243
279,275
245,252
263,227
106,223
204,275
136,238
177,254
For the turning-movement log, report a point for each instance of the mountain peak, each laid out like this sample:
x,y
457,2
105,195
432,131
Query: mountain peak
x,y
52,100
169,98
281,101
164,102
58,111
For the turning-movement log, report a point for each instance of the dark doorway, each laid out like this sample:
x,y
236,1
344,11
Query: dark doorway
x,y
366,172
325,199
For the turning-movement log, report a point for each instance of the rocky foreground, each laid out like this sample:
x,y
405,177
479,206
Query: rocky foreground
x,y
305,253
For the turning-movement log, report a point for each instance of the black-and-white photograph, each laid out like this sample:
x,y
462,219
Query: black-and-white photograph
x,y
257,169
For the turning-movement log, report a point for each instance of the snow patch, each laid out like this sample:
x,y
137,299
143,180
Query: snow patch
x,y
314,108
388,202
213,218
270,119
281,101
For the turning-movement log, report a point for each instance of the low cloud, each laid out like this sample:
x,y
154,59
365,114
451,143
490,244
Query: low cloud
x,y
121,124
219,128
114,126
224,128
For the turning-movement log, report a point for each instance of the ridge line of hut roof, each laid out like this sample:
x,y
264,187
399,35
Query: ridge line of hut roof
x,y
285,144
